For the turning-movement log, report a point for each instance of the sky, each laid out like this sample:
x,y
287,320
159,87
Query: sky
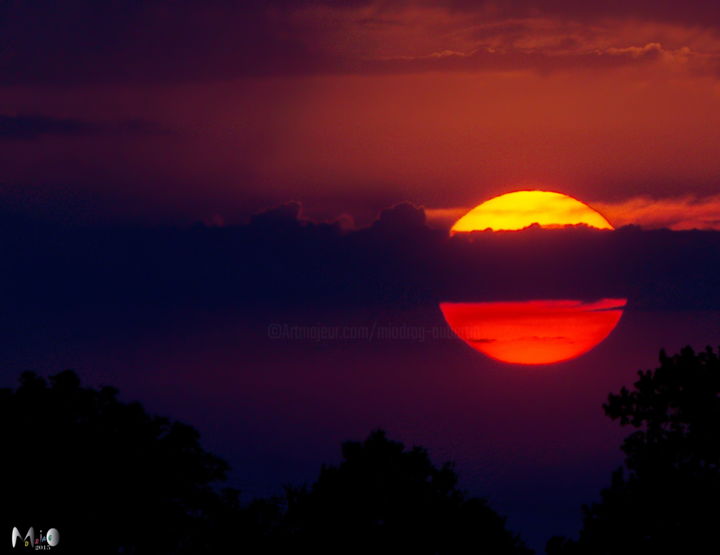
x,y
178,179
158,111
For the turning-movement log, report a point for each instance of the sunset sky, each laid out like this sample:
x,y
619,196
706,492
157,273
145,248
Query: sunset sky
x,y
164,111
328,147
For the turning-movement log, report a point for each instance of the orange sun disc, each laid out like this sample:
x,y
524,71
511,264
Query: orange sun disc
x,y
533,332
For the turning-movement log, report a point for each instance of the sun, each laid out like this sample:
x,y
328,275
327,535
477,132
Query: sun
x,y
521,209
534,332
540,331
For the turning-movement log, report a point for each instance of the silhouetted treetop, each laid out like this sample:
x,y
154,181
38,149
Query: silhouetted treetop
x,y
676,410
384,498
87,463
114,478
665,499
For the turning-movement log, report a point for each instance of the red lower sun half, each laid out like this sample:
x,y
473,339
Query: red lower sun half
x,y
534,332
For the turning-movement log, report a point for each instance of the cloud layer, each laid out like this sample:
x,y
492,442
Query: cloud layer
x,y
28,127
86,41
281,260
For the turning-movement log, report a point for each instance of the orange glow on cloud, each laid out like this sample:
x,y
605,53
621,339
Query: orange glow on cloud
x,y
521,209
678,213
533,332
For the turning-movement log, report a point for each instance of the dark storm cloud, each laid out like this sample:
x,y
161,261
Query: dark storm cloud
x,y
281,260
27,127
81,41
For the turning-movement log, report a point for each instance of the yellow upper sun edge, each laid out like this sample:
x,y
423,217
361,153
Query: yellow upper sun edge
x,y
521,209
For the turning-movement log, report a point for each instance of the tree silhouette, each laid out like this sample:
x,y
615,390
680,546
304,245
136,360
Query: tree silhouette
x,y
109,476
665,500
114,479
384,499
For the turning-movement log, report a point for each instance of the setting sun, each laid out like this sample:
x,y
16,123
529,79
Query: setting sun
x,y
522,209
534,332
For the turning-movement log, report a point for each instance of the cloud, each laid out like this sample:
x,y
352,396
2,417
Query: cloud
x,y
698,12
29,127
281,260
79,41
488,59
32,127
445,217
677,213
